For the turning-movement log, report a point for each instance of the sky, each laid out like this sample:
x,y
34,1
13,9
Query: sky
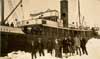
x,y
90,9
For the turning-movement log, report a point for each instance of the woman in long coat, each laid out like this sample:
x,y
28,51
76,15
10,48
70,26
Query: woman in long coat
x,y
77,44
58,48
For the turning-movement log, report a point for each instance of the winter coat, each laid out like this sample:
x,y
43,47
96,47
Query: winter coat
x,y
77,42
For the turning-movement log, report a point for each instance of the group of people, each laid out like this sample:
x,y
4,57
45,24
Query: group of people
x,y
68,45
75,44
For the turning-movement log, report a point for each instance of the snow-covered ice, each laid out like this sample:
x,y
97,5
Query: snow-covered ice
x,y
93,48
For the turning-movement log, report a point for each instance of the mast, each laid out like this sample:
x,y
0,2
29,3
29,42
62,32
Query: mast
x,y
2,21
79,13
2,12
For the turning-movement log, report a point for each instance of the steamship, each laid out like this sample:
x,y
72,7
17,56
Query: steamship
x,y
46,25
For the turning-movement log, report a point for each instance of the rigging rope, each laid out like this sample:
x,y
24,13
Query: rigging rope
x,y
14,15
11,6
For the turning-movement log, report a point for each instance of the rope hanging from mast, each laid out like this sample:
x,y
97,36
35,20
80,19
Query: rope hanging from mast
x,y
13,11
11,6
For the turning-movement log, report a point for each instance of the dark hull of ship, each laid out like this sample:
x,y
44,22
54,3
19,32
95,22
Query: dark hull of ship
x,y
14,42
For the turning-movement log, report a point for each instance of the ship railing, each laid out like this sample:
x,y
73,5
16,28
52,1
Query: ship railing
x,y
11,29
40,21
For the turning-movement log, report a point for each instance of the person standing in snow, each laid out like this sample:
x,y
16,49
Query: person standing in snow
x,y
40,46
70,45
33,49
83,46
77,44
58,48
65,45
50,46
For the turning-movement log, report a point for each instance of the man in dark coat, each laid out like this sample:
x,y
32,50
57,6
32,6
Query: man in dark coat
x,y
71,45
50,46
40,46
83,46
65,45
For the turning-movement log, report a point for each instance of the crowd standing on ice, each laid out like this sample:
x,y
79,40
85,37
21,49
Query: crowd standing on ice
x,y
67,45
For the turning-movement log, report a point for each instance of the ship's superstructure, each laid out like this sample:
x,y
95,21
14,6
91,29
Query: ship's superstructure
x,y
45,25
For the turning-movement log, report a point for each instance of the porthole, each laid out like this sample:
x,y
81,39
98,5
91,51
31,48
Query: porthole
x,y
27,22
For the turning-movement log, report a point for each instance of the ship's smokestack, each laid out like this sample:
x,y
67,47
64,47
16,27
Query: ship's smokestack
x,y
64,12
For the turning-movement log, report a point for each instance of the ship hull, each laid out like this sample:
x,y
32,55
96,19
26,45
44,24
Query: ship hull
x,y
14,41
